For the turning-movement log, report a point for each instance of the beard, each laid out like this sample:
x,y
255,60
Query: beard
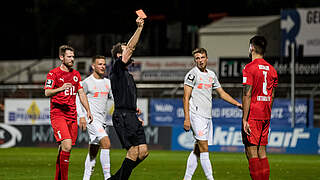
x,y
69,64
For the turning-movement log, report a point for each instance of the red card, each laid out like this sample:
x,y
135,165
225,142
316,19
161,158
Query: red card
x,y
141,14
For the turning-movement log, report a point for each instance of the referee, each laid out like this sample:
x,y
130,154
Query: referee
x,y
125,117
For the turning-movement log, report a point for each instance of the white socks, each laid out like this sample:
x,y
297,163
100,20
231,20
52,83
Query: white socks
x,y
192,164
206,165
88,167
105,162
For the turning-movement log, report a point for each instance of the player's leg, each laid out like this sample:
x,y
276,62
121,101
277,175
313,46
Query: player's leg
x,y
254,162
119,123
65,133
135,142
66,146
203,133
90,162
252,145
140,141
58,174
142,154
204,159
192,162
128,164
264,163
105,156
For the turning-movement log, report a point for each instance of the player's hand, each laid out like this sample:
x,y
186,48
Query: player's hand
x,y
239,106
246,127
90,117
138,111
83,123
142,122
140,22
186,125
66,86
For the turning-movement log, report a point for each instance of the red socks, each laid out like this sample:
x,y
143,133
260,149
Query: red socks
x,y
62,166
254,168
58,177
259,168
265,169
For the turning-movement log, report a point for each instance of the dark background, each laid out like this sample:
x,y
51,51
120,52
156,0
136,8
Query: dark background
x,y
34,29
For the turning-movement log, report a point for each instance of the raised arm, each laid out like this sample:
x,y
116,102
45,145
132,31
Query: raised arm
x,y
186,97
131,45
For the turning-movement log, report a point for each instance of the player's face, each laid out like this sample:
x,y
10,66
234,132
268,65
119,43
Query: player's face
x,y
99,66
201,60
68,58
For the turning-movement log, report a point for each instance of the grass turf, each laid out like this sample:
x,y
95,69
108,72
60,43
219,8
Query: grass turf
x,y
39,163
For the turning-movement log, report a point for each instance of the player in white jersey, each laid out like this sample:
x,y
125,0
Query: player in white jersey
x,y
199,83
98,90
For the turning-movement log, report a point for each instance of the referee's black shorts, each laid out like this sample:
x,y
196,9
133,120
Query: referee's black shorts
x,y
129,129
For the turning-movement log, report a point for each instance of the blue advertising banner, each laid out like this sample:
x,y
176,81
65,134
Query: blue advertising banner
x,y
166,112
169,112
228,139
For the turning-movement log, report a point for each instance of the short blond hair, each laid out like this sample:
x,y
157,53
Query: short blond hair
x,y
64,48
199,50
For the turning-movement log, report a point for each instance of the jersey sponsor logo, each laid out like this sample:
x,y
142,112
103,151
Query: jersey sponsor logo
x,y
70,91
191,77
206,86
75,78
96,94
49,83
263,67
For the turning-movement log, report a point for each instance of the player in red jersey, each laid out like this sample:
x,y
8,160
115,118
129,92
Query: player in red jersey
x,y
259,82
62,86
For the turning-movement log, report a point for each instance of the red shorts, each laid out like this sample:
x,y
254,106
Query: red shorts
x,y
64,129
259,133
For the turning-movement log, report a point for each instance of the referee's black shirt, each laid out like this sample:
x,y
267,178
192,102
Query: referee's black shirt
x,y
123,87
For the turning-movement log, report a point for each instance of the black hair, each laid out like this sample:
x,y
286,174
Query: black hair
x,y
259,43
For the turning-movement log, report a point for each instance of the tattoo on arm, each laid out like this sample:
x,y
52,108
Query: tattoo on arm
x,y
246,90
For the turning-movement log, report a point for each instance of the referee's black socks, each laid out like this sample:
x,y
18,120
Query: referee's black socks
x,y
126,168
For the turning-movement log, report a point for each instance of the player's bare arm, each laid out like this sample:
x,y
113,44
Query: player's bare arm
x,y
246,99
186,97
84,101
127,52
225,96
52,92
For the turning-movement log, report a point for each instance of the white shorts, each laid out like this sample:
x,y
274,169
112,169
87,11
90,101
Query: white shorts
x,y
202,128
97,131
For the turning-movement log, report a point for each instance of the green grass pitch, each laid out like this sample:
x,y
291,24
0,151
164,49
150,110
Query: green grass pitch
x,y
39,163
